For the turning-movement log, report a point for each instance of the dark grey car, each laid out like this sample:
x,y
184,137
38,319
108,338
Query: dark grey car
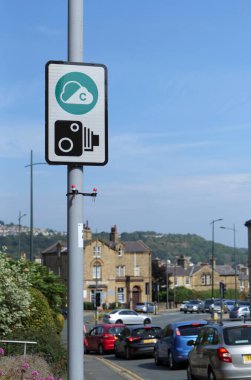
x,y
222,351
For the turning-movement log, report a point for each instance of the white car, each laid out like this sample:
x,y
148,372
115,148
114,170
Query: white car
x,y
127,317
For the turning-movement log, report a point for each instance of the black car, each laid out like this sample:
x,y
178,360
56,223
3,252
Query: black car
x,y
136,340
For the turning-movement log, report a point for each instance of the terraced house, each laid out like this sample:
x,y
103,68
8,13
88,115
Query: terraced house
x,y
199,276
118,272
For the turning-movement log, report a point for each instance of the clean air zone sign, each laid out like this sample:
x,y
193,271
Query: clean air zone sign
x,y
76,113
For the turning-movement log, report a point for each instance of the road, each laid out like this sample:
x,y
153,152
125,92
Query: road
x,y
143,368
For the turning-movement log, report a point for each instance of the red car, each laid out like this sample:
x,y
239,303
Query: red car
x,y
101,338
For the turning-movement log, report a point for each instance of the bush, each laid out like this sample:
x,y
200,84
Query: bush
x,y
88,306
41,315
59,322
48,346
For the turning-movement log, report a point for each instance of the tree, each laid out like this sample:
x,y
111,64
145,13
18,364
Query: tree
x,y
15,299
46,281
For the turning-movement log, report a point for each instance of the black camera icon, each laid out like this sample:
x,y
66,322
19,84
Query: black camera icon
x,y
68,138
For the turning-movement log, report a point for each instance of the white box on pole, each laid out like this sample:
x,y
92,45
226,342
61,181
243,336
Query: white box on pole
x,y
76,113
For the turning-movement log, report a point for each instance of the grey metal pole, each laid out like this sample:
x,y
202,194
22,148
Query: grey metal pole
x,y
235,268
75,218
214,221
31,207
31,201
19,233
167,286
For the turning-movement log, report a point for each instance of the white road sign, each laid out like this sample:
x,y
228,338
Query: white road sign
x,y
76,113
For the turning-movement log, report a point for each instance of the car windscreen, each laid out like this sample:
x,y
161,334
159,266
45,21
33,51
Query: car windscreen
x,y
189,330
146,332
237,335
114,311
115,330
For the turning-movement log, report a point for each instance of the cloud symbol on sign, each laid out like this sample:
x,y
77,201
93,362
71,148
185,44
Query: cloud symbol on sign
x,y
74,93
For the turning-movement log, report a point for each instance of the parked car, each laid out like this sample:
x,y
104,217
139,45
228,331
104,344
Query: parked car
x,y
144,307
219,306
182,305
243,303
239,312
101,338
127,317
136,340
192,306
230,304
221,351
171,348
208,302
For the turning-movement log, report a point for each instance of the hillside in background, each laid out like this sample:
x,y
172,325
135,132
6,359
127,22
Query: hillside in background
x,y
164,246
167,246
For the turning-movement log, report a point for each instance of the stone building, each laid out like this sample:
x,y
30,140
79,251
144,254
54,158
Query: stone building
x,y
119,272
199,276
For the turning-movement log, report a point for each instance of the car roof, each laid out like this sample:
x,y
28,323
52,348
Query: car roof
x,y
191,322
133,327
109,325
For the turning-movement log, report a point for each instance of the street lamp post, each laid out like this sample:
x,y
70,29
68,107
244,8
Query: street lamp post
x,y
212,280
31,201
167,284
235,265
19,232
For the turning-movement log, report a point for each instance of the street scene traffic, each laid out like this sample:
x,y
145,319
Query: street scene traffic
x,y
172,343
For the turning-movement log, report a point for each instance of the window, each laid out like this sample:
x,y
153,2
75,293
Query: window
x,y
206,279
120,270
120,252
121,295
97,251
147,288
187,280
96,271
136,270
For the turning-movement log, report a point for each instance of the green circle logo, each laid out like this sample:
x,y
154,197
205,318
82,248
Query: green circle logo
x,y
76,93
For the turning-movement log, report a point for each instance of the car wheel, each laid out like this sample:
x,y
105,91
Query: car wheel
x,y
190,376
156,358
185,311
101,350
86,351
171,361
147,321
128,355
211,375
119,321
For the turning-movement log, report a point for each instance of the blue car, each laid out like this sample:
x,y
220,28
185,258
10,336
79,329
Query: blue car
x,y
171,347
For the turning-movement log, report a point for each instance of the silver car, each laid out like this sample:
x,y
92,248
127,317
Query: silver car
x,y
126,317
144,307
222,351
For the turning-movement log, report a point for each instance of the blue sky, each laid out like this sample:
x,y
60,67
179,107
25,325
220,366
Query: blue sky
x,y
179,88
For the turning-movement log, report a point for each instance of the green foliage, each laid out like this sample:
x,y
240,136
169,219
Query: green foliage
x,y
41,314
40,243
184,294
48,345
47,282
88,306
59,322
15,299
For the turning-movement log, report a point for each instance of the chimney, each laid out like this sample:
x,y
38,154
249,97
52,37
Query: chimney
x,y
87,232
114,236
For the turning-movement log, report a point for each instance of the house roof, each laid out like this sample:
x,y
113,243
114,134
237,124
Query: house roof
x,y
136,246
129,246
54,247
